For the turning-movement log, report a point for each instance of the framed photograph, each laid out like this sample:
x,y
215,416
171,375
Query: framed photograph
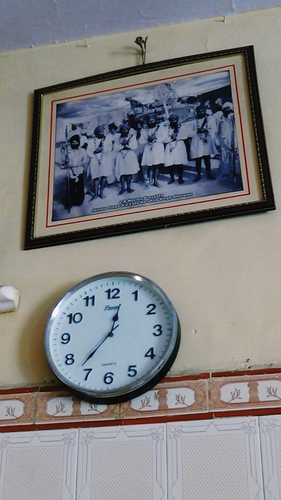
x,y
147,147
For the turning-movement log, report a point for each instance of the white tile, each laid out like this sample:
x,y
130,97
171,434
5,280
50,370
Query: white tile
x,y
122,462
215,459
270,428
38,465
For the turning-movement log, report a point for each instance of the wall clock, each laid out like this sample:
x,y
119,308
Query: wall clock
x,y
112,337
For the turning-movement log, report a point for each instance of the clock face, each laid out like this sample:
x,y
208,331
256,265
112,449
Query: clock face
x,y
112,337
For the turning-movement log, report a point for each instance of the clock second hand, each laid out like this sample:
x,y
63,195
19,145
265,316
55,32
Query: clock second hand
x,y
109,334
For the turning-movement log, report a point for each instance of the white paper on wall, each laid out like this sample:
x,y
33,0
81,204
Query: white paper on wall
x,y
127,463
215,459
38,465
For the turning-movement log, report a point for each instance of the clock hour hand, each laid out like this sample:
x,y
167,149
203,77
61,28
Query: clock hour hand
x,y
115,318
109,334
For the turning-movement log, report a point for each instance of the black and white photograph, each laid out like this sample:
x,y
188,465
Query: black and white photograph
x,y
147,147
160,143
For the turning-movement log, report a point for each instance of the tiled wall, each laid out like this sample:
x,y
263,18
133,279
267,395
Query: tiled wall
x,y
210,437
237,458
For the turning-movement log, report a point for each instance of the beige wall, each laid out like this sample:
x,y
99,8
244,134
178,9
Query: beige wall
x,y
224,277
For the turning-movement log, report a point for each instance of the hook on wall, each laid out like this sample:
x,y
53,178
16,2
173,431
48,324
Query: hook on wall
x,y
142,43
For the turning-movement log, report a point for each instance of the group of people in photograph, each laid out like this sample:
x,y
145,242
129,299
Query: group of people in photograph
x,y
150,140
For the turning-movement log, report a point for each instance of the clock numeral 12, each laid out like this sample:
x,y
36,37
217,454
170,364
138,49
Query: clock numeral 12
x,y
113,293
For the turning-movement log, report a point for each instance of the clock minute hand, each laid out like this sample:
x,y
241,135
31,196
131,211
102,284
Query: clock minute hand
x,y
109,334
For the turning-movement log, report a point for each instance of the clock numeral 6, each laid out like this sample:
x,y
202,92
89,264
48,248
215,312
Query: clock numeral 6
x,y
108,378
69,359
132,371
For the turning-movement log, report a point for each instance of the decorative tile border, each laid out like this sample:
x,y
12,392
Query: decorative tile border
x,y
245,392
61,407
168,398
186,398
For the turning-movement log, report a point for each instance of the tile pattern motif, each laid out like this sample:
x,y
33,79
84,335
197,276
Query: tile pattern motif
x,y
118,450
213,459
42,462
198,397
